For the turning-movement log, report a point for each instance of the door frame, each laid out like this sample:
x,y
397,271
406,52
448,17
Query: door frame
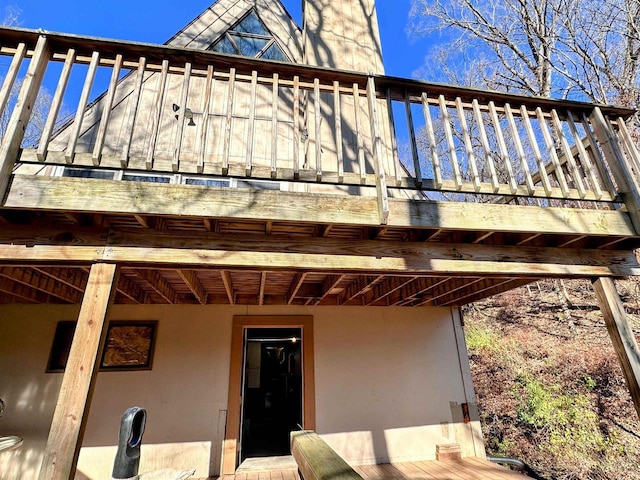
x,y
240,324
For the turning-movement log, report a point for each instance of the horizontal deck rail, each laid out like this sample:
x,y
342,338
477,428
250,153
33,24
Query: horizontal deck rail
x,y
87,103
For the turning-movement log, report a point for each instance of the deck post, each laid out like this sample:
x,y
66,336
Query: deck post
x,y
17,125
628,185
621,333
72,408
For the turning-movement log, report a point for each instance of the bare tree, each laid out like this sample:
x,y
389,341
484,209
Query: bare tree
x,y
11,17
587,49
36,123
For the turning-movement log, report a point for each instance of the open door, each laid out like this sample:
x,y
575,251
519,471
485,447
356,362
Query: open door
x,y
272,391
271,386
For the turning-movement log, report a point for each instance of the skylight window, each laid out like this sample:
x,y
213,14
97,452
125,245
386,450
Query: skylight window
x,y
250,38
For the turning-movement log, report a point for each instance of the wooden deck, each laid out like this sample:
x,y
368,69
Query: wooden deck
x,y
469,468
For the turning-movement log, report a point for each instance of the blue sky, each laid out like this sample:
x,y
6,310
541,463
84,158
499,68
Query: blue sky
x,y
156,21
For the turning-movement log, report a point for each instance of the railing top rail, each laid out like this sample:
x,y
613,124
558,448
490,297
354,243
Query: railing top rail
x,y
132,51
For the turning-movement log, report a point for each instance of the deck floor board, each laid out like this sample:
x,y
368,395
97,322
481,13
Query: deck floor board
x,y
470,468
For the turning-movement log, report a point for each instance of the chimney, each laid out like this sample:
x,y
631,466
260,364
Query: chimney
x,y
342,34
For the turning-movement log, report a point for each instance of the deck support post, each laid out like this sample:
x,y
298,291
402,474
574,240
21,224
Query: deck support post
x,y
621,334
628,186
72,408
10,146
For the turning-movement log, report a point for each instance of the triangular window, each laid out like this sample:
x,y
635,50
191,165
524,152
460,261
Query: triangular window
x,y
250,38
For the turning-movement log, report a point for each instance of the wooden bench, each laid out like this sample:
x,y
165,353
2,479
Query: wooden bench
x,y
318,461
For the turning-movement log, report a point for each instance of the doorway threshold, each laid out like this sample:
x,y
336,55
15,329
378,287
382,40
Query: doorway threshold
x,y
261,464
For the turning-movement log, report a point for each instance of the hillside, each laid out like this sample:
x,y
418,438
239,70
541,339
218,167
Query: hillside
x,y
548,383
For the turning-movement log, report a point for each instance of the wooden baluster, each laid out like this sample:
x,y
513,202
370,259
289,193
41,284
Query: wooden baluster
x,y
204,123
502,145
628,146
82,106
10,77
397,168
412,138
573,168
182,114
484,141
471,156
531,188
551,148
359,139
275,96
252,123
134,103
446,122
157,113
317,105
542,169
106,111
14,133
296,127
599,159
584,157
381,182
56,103
627,183
337,110
226,145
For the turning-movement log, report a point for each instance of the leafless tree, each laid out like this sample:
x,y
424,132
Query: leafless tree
x,y
12,15
587,49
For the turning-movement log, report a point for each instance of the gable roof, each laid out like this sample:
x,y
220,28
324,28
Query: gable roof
x,y
212,23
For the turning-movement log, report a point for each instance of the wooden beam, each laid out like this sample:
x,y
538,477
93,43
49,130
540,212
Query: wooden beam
x,y
337,256
142,221
263,283
622,336
108,196
228,286
328,284
190,278
74,400
296,283
159,284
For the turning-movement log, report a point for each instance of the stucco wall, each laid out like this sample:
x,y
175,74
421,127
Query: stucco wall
x,y
384,378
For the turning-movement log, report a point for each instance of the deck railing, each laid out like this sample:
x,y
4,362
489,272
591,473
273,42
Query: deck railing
x,y
91,103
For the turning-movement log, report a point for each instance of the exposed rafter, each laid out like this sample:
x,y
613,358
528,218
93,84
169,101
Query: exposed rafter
x,y
44,283
386,288
21,291
297,282
131,290
329,283
263,282
228,286
159,284
190,278
358,287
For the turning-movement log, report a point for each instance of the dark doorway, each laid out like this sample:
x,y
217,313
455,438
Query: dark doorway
x,y
272,390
